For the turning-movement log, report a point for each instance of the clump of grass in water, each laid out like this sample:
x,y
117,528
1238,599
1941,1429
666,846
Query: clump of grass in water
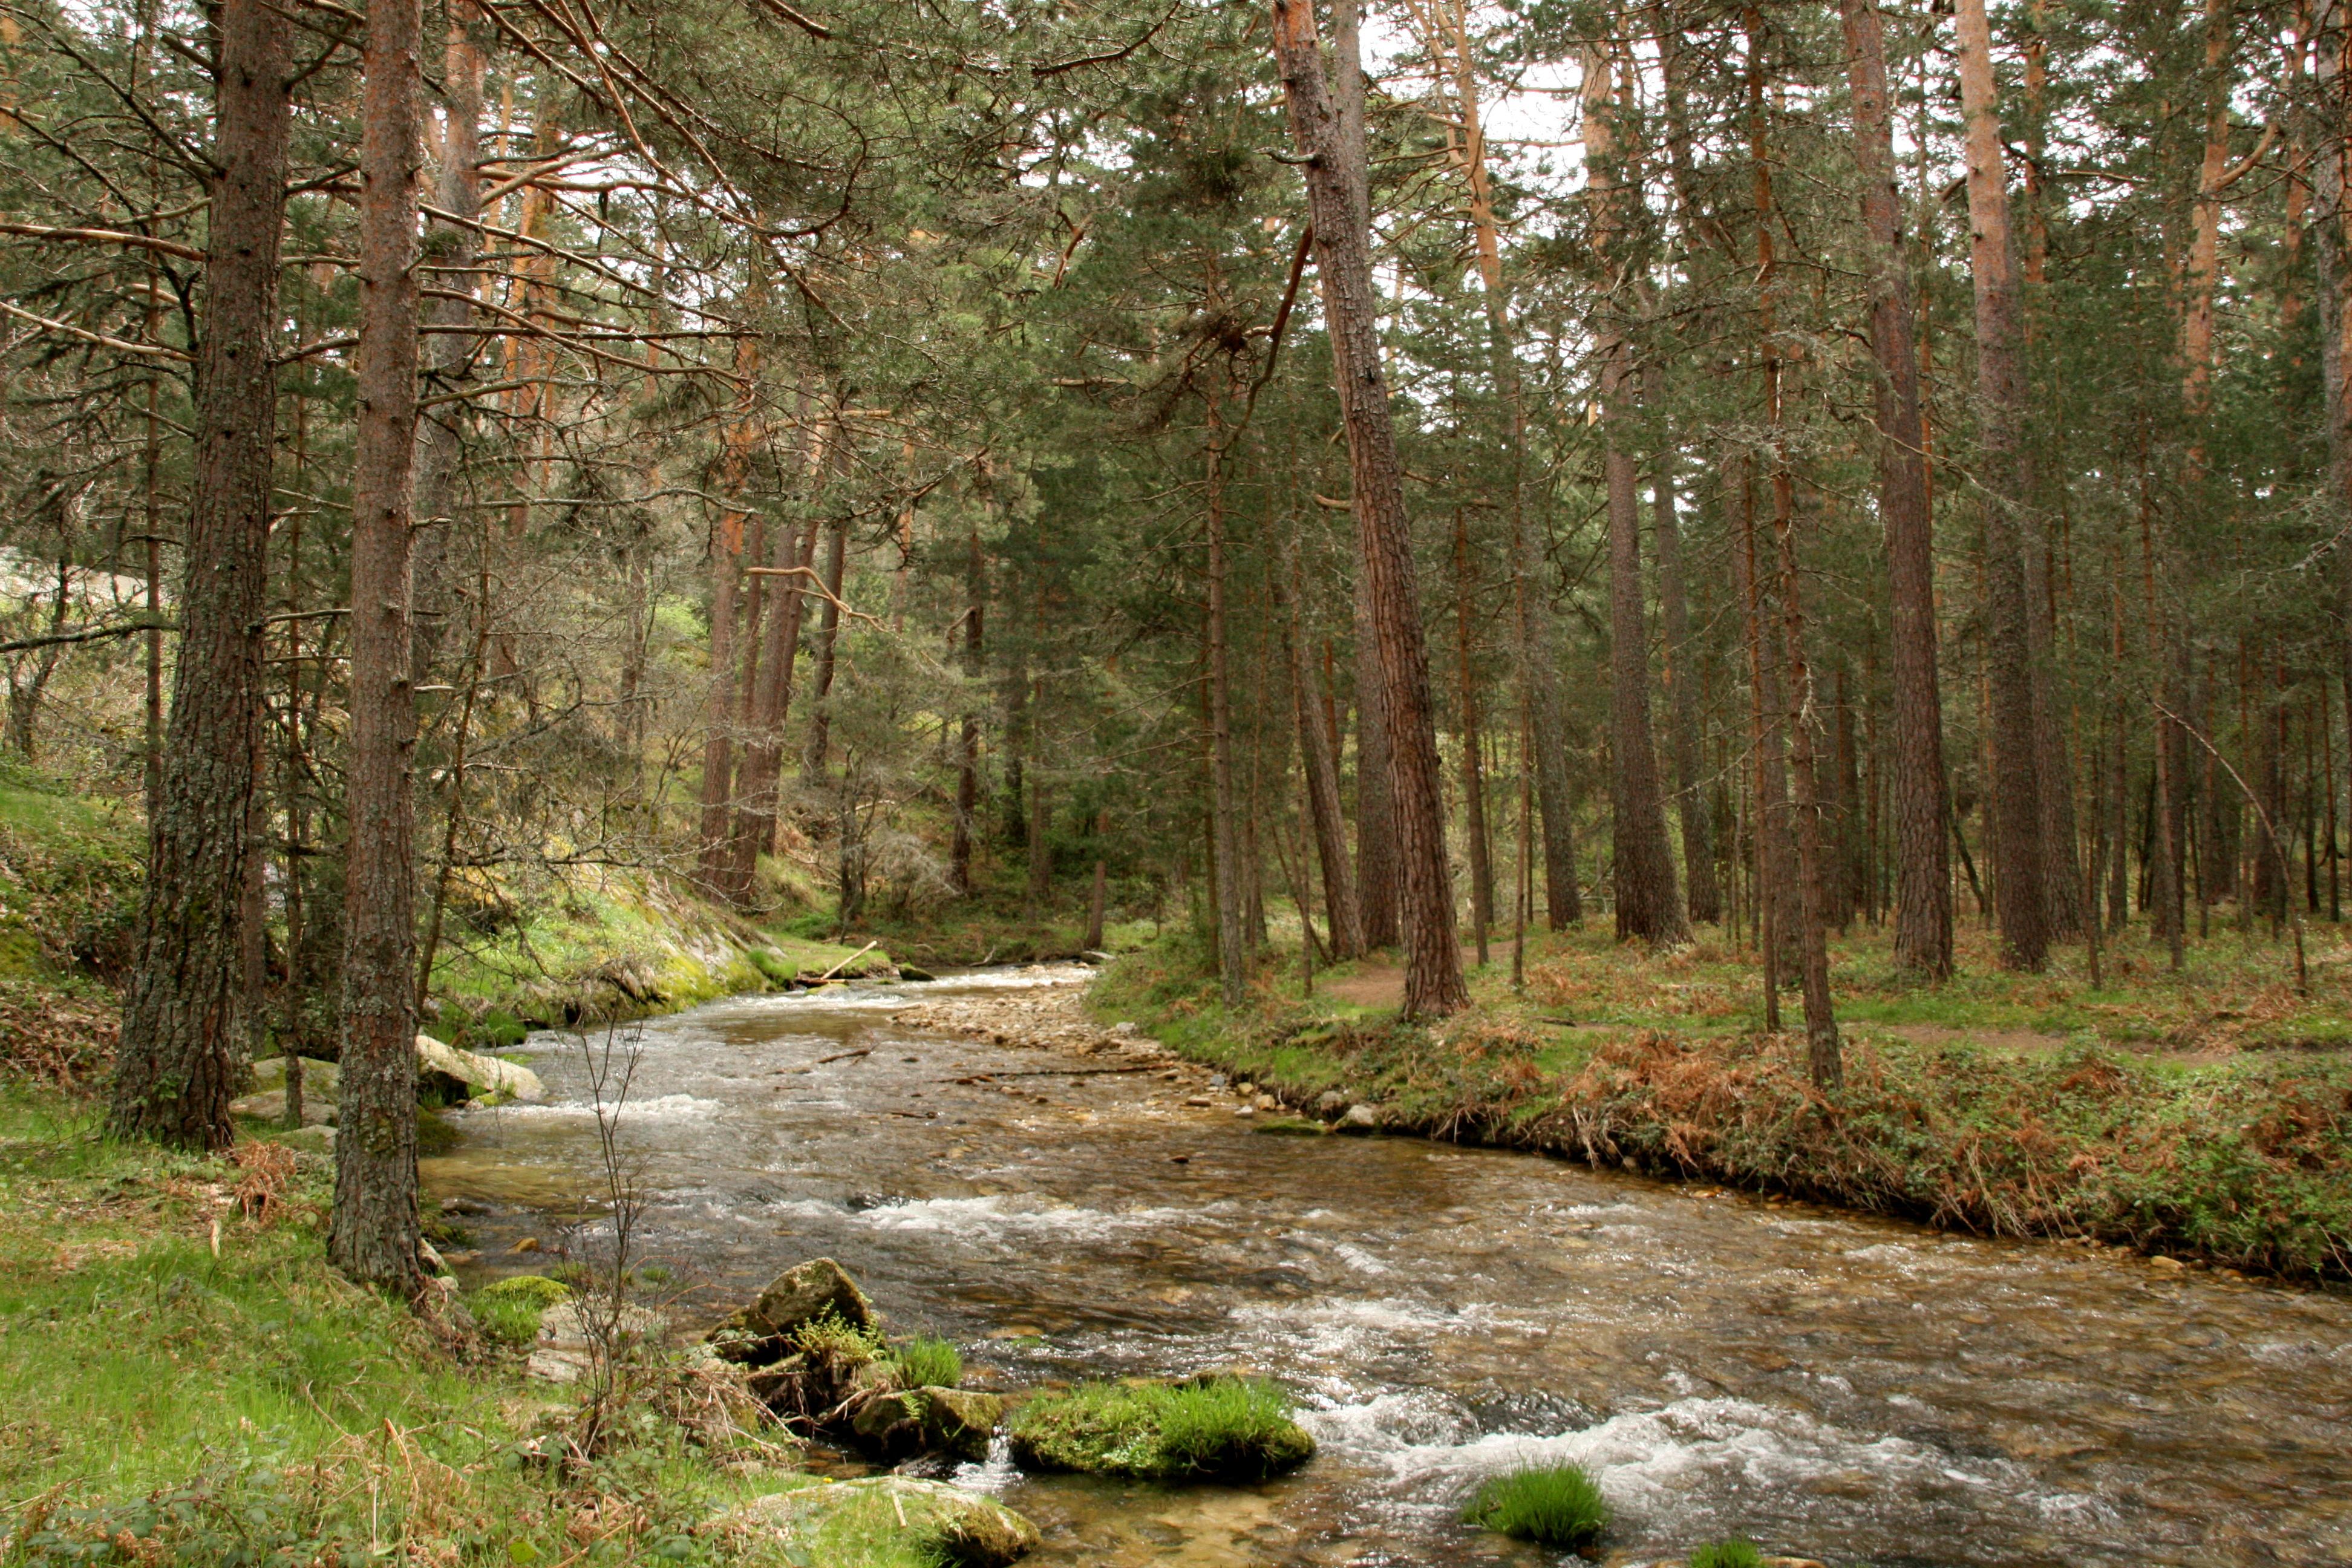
x,y
1558,1505
1207,1428
828,1338
924,1361
1733,1554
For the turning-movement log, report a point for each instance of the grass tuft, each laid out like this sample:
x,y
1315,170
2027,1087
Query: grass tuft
x,y
1206,1428
1732,1554
1558,1505
924,1361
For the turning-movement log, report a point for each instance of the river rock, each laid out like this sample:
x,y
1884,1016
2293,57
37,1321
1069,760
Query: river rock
x,y
907,1422
322,1081
1360,1118
565,1348
821,1524
909,972
1330,1104
271,1107
464,1075
758,1335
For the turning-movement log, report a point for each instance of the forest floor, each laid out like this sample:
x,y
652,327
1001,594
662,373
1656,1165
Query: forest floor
x,y
2204,1116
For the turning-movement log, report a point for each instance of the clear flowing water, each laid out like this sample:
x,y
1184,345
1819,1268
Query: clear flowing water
x,y
1834,1386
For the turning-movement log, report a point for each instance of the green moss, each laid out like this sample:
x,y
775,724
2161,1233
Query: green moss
x,y
509,1310
1207,1428
1558,1505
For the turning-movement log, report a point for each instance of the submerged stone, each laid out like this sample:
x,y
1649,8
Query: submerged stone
x,y
829,1523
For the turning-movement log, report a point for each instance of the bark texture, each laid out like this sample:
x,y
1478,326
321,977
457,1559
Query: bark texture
x,y
1923,869
375,1234
2020,898
1434,985
183,1031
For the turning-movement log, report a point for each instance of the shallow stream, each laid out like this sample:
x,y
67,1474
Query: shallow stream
x,y
1838,1387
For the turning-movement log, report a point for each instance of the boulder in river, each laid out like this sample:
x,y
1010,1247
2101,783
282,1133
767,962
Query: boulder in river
x,y
904,1423
838,1523
1361,1118
462,1075
807,1291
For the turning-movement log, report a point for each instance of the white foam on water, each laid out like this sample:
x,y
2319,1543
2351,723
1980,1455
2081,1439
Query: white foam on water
x,y
1658,1463
1356,1259
660,1108
990,1215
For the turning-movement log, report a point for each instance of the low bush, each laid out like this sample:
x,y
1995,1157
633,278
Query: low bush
x,y
1206,1428
1558,1505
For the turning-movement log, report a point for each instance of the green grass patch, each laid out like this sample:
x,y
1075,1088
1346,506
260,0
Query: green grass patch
x,y
1733,1554
1208,1428
1558,1505
924,1361
163,1403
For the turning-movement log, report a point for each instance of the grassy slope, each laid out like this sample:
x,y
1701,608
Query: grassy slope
x,y
194,1403
2208,1114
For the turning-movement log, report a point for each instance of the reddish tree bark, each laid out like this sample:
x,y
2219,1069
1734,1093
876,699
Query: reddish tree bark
x,y
1923,871
2021,900
1434,985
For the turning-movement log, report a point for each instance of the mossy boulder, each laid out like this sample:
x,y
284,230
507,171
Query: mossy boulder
x,y
1217,1427
806,1292
872,1523
904,1423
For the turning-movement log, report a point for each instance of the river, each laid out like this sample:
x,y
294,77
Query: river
x,y
1834,1386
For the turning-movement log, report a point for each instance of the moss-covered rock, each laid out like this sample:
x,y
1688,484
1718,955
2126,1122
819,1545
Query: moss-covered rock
x,y
1210,1428
806,1292
879,1521
904,1423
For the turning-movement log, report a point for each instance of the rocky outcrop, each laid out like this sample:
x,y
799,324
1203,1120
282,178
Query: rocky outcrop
x,y
825,1524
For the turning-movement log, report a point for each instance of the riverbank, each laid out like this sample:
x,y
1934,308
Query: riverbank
x,y
2204,1121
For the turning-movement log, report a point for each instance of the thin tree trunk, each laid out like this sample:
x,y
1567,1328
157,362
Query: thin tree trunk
x,y
1923,907
1706,900
374,1233
1099,898
1318,760
2015,784
720,860
1376,844
828,633
1474,783
452,250
1233,937
1434,985
1648,906
181,1029
1768,815
968,755
2331,228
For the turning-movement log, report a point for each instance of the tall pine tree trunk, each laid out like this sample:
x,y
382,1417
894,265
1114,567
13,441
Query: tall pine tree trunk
x,y
1923,897
1706,900
1648,905
1434,985
181,1029
375,1234
2019,863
